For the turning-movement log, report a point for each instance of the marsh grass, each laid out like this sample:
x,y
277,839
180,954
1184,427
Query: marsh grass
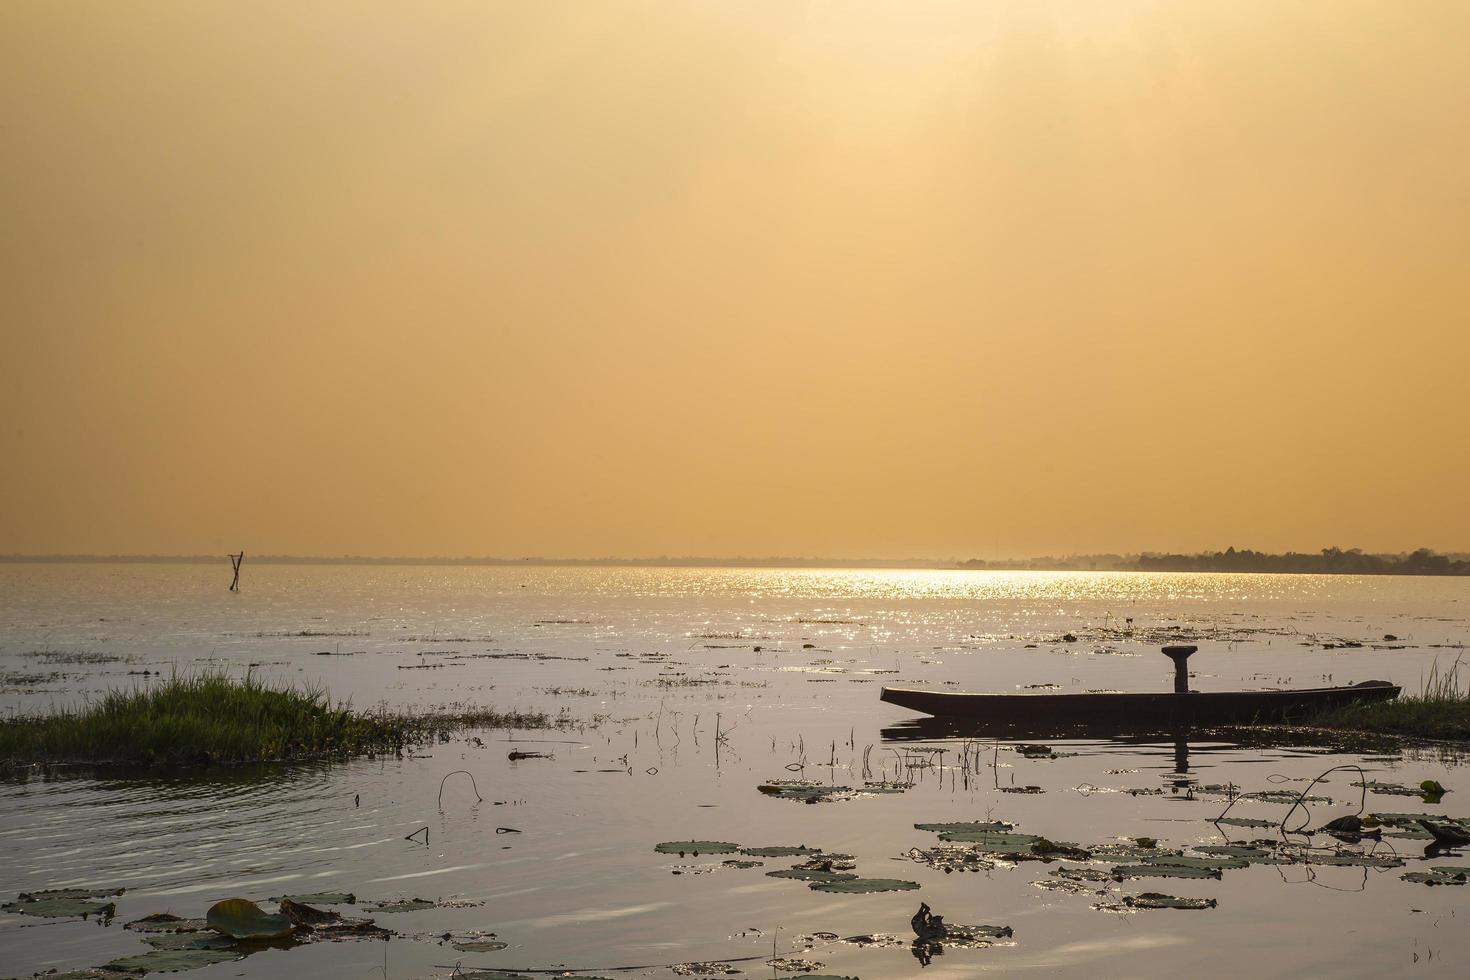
x,y
1440,710
213,717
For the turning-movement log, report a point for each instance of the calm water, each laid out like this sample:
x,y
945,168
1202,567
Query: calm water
x,y
650,663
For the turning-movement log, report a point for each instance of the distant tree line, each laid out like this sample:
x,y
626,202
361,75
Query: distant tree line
x,y
1329,561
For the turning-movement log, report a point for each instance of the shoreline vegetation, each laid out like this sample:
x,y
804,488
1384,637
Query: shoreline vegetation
x,y
1329,561
214,718
1440,711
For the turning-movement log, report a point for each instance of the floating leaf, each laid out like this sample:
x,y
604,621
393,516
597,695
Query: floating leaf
x,y
1439,876
1081,874
173,960
404,905
321,898
811,874
489,975
243,919
190,940
977,826
61,908
480,946
1253,855
1124,853
164,922
705,969
991,840
1218,863
804,791
65,893
1154,900
1163,871
952,857
778,851
743,864
696,847
863,886
1343,859
1245,822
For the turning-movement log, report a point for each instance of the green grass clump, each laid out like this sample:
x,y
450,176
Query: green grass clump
x,y
217,718
1441,710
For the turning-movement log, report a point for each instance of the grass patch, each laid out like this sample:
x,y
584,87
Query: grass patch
x,y
1441,710
216,718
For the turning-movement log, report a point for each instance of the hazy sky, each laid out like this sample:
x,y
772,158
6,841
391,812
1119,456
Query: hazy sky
x,y
858,278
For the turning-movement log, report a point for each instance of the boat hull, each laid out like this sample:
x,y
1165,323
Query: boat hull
x,y
1139,710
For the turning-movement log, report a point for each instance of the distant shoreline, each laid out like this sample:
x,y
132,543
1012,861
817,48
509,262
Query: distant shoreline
x,y
1330,561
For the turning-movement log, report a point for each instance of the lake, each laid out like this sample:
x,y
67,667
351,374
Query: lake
x,y
684,690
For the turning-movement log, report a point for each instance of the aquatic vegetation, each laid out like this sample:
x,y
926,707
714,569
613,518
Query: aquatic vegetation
x,y
811,874
1246,822
1440,710
60,908
1163,871
800,850
696,847
166,922
975,826
216,718
805,791
1155,900
403,905
951,857
320,898
1443,875
176,960
241,918
862,886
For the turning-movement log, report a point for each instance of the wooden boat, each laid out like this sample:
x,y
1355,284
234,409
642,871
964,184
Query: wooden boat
x,y
1183,707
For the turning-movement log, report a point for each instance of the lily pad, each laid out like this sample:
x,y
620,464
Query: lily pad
x,y
811,874
1252,855
696,847
779,851
742,865
1218,863
863,886
952,857
164,922
61,908
1125,853
404,905
65,893
190,940
1245,822
1344,859
974,937
1439,876
977,826
480,946
991,840
1163,871
1154,900
805,791
704,969
243,919
321,898
173,960
489,975
1081,874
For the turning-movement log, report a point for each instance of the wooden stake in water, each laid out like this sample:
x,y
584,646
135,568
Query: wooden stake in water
x,y
235,561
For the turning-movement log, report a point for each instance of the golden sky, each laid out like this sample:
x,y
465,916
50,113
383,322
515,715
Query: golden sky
x,y
854,278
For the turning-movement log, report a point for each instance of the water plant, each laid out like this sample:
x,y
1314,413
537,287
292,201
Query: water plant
x,y
213,717
1440,710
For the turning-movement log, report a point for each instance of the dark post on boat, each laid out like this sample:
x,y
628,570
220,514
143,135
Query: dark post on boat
x,y
1180,656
